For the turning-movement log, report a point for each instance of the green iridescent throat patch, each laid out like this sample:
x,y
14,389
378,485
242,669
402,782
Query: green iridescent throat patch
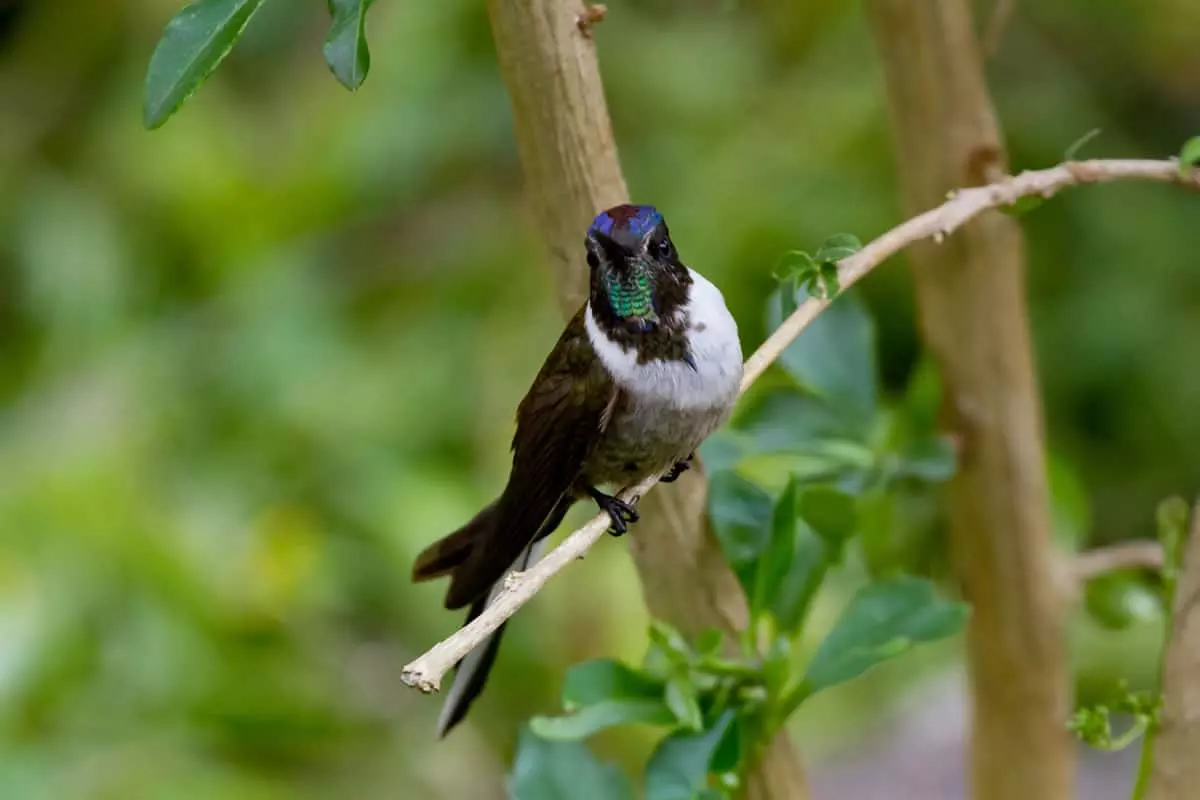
x,y
630,295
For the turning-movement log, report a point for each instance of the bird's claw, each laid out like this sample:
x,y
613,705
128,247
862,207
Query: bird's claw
x,y
677,470
620,512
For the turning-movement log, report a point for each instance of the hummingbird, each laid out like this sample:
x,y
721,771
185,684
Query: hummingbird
x,y
646,369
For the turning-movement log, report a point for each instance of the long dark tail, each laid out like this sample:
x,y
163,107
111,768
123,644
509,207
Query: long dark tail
x,y
471,674
442,558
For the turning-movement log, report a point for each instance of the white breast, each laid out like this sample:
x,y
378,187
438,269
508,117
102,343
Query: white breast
x,y
715,349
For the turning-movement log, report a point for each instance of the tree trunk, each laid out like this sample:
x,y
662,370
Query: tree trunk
x,y
571,173
973,318
1176,770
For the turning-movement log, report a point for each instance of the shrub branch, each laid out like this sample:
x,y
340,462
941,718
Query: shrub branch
x,y
426,672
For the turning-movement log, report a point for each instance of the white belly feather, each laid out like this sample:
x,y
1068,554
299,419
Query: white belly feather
x,y
715,349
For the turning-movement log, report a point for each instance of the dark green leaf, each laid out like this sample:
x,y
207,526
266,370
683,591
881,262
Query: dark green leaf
x,y
776,557
876,531
741,517
679,767
837,247
827,280
191,47
835,358
811,558
795,263
777,665
723,450
931,459
830,513
546,770
787,296
783,419
882,621
684,704
346,49
1189,154
606,679
605,714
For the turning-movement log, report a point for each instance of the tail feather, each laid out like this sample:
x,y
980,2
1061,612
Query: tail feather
x,y
470,674
446,554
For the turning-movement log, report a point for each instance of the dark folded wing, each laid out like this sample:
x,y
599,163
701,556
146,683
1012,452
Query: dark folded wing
x,y
558,423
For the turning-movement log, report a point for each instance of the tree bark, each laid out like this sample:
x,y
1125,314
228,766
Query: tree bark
x,y
572,172
970,292
1176,768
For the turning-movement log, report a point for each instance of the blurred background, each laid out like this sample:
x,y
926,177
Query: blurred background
x,y
251,363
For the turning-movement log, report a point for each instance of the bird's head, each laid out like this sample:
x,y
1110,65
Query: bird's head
x,y
637,279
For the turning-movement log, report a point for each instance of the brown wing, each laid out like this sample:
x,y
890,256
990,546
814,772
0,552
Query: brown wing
x,y
558,423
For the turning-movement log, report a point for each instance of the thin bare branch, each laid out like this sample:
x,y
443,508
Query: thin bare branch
x,y
426,672
1128,555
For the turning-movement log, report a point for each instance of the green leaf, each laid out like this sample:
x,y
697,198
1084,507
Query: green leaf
x,y
811,558
346,49
546,770
835,358
932,459
882,621
605,679
1189,155
787,296
740,512
191,47
684,704
830,513
827,283
795,263
679,767
837,247
599,716
777,665
776,558
783,419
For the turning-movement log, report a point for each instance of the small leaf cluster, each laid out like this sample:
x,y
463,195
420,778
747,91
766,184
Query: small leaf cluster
x,y
816,275
1093,724
813,465
200,36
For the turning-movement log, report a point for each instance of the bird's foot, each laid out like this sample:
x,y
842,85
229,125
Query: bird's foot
x,y
677,470
618,510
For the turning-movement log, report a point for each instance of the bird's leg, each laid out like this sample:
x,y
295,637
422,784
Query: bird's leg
x,y
677,470
620,511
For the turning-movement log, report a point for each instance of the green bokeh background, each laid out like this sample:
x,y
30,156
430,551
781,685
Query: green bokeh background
x,y
251,363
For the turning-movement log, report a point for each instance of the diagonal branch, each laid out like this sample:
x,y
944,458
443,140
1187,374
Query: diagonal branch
x,y
426,672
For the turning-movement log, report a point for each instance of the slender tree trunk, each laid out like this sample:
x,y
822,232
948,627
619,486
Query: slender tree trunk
x,y
973,318
571,173
1176,771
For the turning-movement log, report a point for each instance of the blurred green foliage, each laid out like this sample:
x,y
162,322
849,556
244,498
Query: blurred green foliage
x,y
252,362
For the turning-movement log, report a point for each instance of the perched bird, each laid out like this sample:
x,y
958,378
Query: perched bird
x,y
645,370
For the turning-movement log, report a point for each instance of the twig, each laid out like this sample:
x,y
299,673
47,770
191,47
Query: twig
x,y
426,672
1169,768
1093,563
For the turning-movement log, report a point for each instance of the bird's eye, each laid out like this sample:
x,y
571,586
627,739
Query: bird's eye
x,y
664,248
593,262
